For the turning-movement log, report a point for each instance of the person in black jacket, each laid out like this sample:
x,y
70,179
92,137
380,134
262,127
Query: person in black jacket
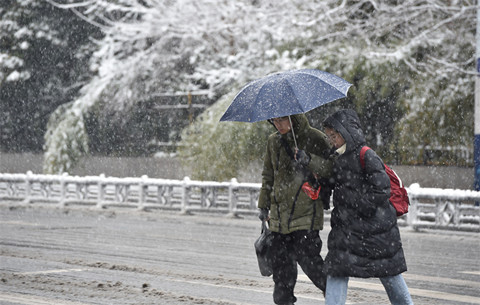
x,y
364,240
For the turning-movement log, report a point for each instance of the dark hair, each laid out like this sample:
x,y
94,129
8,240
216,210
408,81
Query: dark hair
x,y
292,117
328,125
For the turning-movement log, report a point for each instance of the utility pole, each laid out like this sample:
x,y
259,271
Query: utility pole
x,y
476,153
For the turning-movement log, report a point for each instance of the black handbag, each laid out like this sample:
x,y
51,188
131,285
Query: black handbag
x,y
264,252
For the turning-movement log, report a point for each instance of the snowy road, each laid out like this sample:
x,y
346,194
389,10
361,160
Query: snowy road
x,y
82,256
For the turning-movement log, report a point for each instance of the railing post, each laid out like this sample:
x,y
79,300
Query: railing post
x,y
457,213
185,189
142,193
232,199
439,208
101,191
63,190
28,188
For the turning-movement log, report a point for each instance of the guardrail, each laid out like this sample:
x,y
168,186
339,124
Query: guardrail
x,y
443,209
430,208
142,193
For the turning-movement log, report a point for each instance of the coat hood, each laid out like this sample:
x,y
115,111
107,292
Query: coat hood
x,y
300,124
347,123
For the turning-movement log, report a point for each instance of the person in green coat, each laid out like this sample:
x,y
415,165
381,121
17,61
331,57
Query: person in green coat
x,y
294,218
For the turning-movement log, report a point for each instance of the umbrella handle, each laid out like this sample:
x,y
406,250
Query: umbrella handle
x,y
293,132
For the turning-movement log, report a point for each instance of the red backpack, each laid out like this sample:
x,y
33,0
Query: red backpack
x,y
398,193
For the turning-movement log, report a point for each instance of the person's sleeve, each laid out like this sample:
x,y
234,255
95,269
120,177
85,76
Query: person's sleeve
x,y
319,165
267,181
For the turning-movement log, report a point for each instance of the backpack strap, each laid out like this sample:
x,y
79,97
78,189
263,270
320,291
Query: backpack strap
x,y
362,155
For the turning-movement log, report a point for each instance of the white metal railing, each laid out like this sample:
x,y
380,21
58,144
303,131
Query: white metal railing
x,y
142,193
430,208
443,208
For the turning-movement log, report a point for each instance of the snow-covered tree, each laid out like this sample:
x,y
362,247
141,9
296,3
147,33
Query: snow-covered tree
x,y
156,47
399,56
210,156
42,64
166,47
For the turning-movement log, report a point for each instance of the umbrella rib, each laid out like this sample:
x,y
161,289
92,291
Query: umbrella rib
x,y
290,85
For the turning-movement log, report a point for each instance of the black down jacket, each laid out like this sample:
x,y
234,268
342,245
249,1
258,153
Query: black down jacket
x,y
364,240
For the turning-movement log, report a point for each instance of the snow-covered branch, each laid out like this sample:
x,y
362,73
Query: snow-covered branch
x,y
154,46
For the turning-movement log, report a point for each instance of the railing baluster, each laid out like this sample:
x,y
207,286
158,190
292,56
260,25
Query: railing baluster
x,y
63,191
101,192
28,187
232,206
185,195
143,188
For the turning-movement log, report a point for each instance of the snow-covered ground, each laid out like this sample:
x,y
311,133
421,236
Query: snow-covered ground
x,y
78,256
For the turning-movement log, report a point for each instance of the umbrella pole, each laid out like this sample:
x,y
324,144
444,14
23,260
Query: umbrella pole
x,y
293,132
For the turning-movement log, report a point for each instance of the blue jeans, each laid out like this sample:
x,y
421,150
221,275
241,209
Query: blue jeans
x,y
395,286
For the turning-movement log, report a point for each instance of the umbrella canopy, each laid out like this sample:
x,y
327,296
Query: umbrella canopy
x,y
285,93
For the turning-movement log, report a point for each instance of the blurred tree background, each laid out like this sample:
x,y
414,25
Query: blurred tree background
x,y
113,78
44,55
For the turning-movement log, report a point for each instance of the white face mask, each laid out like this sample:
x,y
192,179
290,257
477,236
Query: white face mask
x,y
342,149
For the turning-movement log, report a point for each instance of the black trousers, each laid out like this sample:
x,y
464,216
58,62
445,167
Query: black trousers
x,y
302,247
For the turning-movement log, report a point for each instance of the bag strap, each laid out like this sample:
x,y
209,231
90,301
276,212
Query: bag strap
x,y
264,226
362,155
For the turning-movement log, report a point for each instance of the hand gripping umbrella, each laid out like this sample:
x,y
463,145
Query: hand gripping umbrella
x,y
284,94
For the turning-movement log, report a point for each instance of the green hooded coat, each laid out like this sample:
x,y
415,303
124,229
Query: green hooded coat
x,y
290,207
